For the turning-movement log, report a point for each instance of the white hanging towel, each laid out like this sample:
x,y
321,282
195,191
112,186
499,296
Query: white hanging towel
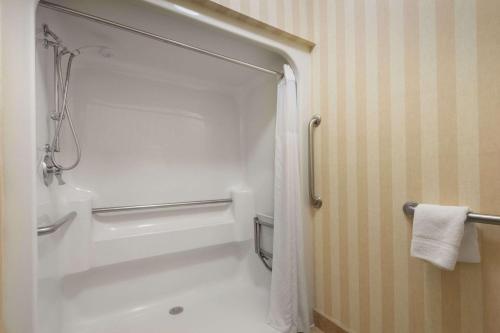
x,y
441,236
288,308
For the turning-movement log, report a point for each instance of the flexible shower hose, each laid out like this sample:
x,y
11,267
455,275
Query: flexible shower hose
x,y
62,112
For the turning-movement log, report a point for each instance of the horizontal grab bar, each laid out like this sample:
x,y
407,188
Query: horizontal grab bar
x,y
159,206
59,223
409,210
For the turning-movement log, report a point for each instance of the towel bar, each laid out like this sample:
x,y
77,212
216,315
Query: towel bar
x,y
409,210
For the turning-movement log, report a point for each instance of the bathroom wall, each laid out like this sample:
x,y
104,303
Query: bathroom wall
x,y
409,94
290,16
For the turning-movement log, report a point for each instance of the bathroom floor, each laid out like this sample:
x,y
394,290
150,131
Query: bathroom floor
x,y
217,310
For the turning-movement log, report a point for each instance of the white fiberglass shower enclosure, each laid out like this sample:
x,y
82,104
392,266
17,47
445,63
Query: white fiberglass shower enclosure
x,y
157,125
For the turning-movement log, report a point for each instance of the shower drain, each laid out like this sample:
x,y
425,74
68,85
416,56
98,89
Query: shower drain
x,y
176,310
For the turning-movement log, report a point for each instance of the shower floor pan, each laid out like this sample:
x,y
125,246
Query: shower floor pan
x,y
220,309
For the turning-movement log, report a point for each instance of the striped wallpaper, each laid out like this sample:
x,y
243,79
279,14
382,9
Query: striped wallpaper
x,y
410,93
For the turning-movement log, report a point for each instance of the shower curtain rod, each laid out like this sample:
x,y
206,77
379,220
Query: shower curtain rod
x,y
114,24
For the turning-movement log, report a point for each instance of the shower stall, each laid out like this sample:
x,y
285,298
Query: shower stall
x,y
146,197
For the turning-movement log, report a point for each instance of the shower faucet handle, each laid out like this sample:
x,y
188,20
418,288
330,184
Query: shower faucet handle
x,y
58,174
49,170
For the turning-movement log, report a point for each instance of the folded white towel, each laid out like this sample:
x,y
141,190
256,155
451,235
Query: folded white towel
x,y
441,236
469,249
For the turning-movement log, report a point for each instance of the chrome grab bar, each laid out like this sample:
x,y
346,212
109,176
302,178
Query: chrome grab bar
x,y
409,210
315,199
59,223
159,206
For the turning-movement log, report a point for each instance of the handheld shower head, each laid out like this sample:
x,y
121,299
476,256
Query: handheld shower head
x,y
47,32
73,53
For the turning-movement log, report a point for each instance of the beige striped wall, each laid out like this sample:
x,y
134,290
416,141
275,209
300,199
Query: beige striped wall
x,y
410,95
2,325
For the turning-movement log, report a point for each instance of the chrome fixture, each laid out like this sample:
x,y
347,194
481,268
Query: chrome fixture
x,y
59,223
260,221
50,166
315,199
159,38
409,210
49,171
159,206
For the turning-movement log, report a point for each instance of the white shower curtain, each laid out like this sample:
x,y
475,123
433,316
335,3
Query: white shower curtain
x,y
288,312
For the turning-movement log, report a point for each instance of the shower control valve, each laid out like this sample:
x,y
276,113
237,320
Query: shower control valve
x,y
49,170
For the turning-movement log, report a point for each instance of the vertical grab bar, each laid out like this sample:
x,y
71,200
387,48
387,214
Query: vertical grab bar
x,y
315,199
